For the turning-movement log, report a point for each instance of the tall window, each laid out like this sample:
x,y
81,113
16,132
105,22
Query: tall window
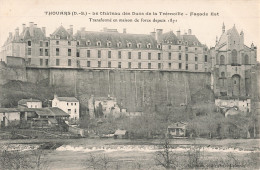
x,y
88,53
46,44
159,56
149,56
196,58
196,66
109,54
99,63
46,62
57,42
69,62
78,63
119,54
129,64
69,52
41,43
119,64
246,59
180,65
129,55
109,64
41,52
187,66
187,57
139,65
57,51
170,65
179,56
29,51
159,65
149,65
78,54
206,58
46,52
88,63
41,62
234,56
186,48
29,43
169,56
57,62
139,55
179,47
222,60
99,54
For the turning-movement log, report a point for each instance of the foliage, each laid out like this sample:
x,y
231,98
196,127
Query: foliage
x,y
97,161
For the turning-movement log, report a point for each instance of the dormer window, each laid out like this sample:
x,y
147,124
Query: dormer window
x,y
88,43
78,43
149,45
159,46
57,37
139,45
179,42
119,44
29,43
109,44
99,43
194,43
129,45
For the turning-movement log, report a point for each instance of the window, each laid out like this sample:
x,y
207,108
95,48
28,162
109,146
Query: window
x,y
196,58
169,56
129,45
139,55
234,56
57,62
206,58
148,45
29,60
69,62
88,53
119,44
46,44
29,51
109,54
129,64
246,59
169,47
41,62
119,64
88,63
71,104
170,65
149,65
41,52
159,46
195,49
149,56
187,66
69,110
78,54
78,63
159,65
69,42
159,56
196,66
29,43
57,42
186,48
179,47
109,44
222,60
109,64
57,51
99,54
129,55
187,57
88,43
46,52
41,43
69,52
119,54
180,65
46,62
99,63
75,110
179,56
77,42
138,45
139,65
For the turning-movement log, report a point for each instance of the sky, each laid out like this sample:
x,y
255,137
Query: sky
x,y
245,14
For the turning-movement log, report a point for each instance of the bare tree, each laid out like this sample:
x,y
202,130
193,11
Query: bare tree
x,y
97,162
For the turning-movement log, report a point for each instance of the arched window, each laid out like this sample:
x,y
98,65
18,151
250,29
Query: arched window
x,y
222,59
234,56
246,59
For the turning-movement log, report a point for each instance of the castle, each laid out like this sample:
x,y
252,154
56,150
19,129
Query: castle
x,y
230,63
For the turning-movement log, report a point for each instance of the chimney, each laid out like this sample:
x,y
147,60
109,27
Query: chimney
x,y
124,30
152,34
189,31
159,35
31,28
24,26
178,33
71,30
82,32
44,30
35,26
17,32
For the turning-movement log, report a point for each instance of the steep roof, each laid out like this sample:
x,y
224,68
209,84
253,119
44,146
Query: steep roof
x,y
37,34
61,32
114,38
120,132
169,38
51,111
222,43
191,39
178,125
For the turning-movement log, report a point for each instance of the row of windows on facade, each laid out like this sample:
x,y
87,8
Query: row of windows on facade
x,y
130,55
234,60
46,52
69,111
72,104
129,45
109,64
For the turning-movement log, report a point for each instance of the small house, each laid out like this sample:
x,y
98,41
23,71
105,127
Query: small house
x,y
177,129
29,103
121,134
